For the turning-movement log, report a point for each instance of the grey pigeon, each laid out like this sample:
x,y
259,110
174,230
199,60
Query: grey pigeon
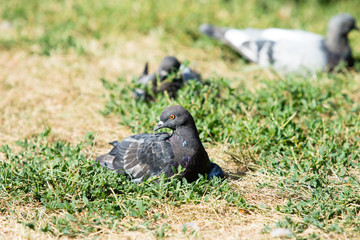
x,y
171,74
146,155
291,51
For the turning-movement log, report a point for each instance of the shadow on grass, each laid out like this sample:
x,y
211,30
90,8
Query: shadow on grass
x,y
357,64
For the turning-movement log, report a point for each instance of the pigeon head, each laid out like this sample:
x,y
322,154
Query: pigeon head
x,y
169,65
174,117
342,24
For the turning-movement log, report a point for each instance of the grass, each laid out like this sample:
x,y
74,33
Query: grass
x,y
289,144
60,178
71,25
307,134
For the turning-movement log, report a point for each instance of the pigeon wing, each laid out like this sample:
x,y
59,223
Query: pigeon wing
x,y
254,44
141,156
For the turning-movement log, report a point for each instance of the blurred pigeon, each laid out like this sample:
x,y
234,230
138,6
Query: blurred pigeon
x,y
291,50
145,155
172,75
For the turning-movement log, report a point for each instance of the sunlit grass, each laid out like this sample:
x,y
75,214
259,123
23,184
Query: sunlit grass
x,y
290,144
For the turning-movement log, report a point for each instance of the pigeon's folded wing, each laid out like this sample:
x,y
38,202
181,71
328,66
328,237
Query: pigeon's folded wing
x,y
140,156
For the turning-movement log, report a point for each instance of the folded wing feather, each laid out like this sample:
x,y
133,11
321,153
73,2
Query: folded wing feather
x,y
140,156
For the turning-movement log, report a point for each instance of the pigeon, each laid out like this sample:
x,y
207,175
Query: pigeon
x,y
167,75
145,155
291,51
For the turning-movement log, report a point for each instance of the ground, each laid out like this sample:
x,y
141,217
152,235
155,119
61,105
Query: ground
x,y
61,89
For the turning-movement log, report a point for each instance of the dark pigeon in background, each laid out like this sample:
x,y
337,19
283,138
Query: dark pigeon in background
x,y
291,51
171,75
146,155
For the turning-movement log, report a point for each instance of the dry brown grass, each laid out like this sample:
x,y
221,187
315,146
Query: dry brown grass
x,y
213,219
64,91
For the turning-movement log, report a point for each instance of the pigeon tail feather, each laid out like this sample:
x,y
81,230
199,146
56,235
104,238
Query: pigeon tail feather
x,y
215,171
213,31
106,160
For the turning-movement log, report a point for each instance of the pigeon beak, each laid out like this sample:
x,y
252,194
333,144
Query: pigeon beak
x,y
159,126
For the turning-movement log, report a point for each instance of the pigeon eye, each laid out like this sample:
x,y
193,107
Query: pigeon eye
x,y
172,116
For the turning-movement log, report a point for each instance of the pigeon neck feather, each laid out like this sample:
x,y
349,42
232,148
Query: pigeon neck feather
x,y
188,132
337,43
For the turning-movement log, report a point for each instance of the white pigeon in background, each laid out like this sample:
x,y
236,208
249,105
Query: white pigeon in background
x,y
291,51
